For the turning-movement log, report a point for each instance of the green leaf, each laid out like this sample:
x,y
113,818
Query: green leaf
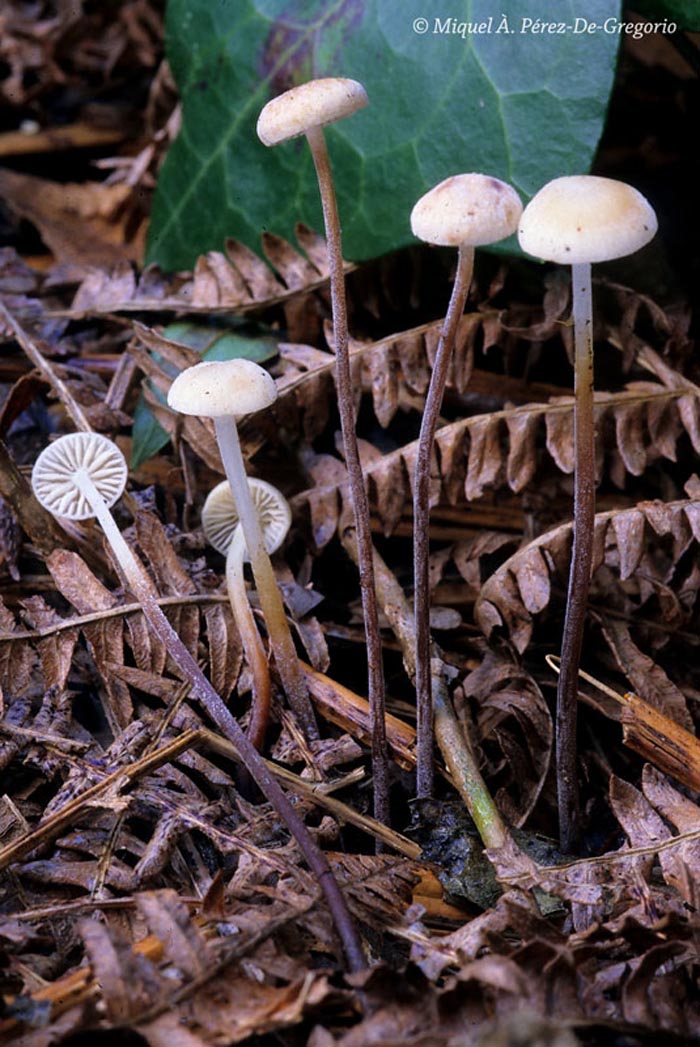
x,y
684,14
214,343
523,105
148,434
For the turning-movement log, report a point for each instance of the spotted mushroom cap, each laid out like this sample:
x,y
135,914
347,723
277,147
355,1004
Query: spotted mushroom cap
x,y
470,209
220,516
314,104
219,388
54,473
585,218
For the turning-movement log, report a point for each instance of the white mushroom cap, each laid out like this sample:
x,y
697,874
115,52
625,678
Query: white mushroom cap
x,y
469,209
584,218
314,104
53,476
221,388
220,516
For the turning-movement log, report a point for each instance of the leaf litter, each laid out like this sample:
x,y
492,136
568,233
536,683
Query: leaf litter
x,y
145,885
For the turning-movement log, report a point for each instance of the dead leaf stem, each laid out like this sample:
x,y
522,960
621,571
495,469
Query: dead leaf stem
x,y
454,746
43,366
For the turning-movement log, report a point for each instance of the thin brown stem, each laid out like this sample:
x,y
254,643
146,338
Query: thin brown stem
x,y
425,773
360,503
581,559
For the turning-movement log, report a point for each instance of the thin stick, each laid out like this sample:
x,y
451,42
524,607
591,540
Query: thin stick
x,y
581,559
360,503
59,386
425,774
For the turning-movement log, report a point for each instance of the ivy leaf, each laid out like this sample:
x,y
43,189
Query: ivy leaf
x,y
214,343
485,89
679,12
148,435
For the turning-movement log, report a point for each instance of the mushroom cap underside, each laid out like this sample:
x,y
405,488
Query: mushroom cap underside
x,y
55,470
220,516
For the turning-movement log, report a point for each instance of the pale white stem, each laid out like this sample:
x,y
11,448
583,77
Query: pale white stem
x,y
136,578
270,598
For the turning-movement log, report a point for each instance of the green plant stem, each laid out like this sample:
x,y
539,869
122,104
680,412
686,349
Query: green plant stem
x,y
425,774
380,757
281,641
203,692
250,637
454,745
581,559
459,759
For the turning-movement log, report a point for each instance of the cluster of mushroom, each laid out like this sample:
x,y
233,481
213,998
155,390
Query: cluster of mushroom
x,y
574,220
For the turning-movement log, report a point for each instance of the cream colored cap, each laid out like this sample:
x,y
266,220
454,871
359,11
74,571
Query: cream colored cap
x,y
584,218
314,104
220,515
217,388
55,470
472,209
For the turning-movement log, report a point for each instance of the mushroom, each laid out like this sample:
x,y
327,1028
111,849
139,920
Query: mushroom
x,y
575,221
221,525
306,110
224,391
82,475
464,211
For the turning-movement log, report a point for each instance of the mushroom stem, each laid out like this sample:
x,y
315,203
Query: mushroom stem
x,y
270,599
250,637
421,521
133,572
581,558
380,760
203,692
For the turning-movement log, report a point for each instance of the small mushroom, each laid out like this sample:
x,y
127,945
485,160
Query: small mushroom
x,y
81,475
224,391
575,221
306,110
464,211
221,525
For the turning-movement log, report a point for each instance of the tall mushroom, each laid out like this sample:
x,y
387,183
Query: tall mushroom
x,y
464,211
575,221
224,391
221,525
306,110
82,475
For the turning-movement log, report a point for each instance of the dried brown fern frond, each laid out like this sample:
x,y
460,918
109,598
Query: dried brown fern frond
x,y
235,280
504,449
636,554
